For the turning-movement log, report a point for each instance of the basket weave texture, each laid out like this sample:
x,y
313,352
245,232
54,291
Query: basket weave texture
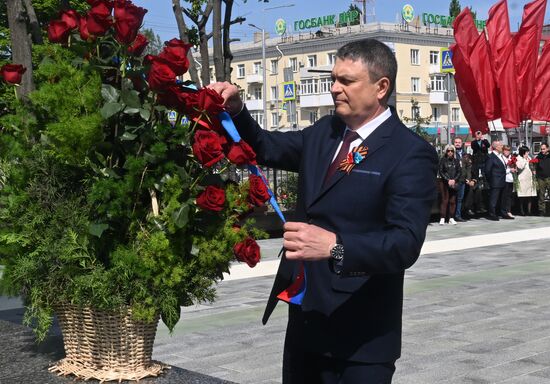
x,y
106,346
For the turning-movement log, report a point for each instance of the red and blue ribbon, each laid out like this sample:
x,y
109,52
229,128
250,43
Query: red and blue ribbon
x,y
295,292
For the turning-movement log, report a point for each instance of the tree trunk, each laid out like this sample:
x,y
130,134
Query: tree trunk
x,y
227,55
217,52
205,59
182,28
20,45
36,33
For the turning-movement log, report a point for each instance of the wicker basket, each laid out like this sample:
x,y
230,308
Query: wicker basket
x,y
106,346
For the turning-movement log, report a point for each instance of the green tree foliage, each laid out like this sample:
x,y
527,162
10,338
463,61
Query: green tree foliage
x,y
454,8
155,43
418,123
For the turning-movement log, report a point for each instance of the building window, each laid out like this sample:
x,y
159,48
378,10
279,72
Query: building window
x,y
437,83
241,94
415,112
331,112
293,63
455,114
309,87
312,61
274,119
414,57
331,58
274,93
312,117
434,57
274,67
258,116
325,83
435,114
257,68
415,84
240,71
257,93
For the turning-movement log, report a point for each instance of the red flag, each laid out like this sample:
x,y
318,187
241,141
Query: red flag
x,y
465,31
482,70
501,46
527,42
468,95
541,100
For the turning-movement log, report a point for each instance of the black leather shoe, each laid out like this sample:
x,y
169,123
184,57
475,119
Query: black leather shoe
x,y
460,220
492,217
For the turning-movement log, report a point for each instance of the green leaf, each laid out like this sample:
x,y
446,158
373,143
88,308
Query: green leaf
x,y
97,229
144,113
109,93
181,216
130,97
110,109
131,110
127,136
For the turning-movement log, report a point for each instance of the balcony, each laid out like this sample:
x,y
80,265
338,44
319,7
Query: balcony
x,y
256,78
438,97
317,100
255,105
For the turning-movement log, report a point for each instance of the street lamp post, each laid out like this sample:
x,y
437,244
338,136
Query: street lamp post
x,y
264,77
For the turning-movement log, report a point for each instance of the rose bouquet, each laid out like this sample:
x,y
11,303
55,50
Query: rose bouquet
x,y
513,165
107,203
533,166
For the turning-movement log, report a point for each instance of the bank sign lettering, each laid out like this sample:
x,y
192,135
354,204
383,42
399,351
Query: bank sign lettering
x,y
317,22
446,21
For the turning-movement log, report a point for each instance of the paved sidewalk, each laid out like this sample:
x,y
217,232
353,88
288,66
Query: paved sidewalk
x,y
475,314
476,311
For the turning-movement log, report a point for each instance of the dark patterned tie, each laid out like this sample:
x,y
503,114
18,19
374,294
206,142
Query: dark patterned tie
x,y
342,153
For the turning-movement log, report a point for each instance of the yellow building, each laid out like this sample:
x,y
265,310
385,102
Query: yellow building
x,y
303,62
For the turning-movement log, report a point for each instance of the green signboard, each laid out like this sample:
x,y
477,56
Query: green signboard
x,y
446,21
317,22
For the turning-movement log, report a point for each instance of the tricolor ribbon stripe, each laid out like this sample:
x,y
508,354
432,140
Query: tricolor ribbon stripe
x,y
295,293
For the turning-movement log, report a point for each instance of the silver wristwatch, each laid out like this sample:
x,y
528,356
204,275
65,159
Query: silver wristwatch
x,y
337,252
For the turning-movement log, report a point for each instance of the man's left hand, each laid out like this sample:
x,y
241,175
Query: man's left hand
x,y
307,241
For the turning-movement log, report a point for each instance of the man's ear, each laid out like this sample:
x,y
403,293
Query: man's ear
x,y
383,86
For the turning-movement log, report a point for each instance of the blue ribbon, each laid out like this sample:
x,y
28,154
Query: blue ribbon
x,y
229,126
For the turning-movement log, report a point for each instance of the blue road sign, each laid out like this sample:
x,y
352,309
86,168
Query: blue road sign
x,y
447,60
289,91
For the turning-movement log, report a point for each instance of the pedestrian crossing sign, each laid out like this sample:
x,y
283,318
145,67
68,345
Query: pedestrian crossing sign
x,y
447,60
289,91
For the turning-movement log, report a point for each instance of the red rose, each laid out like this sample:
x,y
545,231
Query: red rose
x,y
175,52
128,19
211,199
257,193
210,101
83,28
207,147
70,17
160,76
247,251
99,17
12,73
241,153
534,161
138,46
58,32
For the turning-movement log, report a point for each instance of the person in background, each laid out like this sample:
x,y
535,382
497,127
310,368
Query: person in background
x,y
449,177
469,185
495,172
526,185
459,153
543,177
509,184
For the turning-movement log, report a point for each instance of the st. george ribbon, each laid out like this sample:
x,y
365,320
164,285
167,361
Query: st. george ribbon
x,y
294,294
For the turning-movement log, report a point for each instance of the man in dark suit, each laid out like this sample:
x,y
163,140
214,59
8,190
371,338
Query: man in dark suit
x,y
495,172
359,226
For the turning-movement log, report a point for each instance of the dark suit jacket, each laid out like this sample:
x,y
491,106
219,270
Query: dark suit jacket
x,y
495,171
380,211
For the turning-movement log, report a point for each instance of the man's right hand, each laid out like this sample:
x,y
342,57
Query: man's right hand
x,y
230,93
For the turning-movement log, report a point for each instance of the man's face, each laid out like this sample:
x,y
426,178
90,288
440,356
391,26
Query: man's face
x,y
478,135
356,98
544,149
498,147
458,143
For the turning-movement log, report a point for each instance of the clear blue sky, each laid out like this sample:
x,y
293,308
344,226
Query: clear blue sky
x,y
161,18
